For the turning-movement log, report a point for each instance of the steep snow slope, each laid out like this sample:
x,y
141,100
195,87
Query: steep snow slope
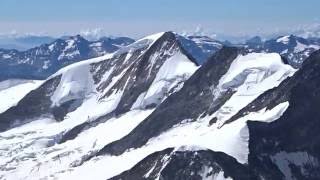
x,y
285,148
289,147
159,132
86,102
231,139
148,111
12,82
34,154
250,76
12,91
267,74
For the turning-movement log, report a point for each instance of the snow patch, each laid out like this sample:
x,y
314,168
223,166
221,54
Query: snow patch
x,y
145,42
6,56
207,174
52,46
46,64
284,40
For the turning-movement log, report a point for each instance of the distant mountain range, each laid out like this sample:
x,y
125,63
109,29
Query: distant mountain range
x,y
200,47
292,48
42,61
23,42
295,49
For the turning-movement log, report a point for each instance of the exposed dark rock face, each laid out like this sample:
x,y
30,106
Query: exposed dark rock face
x,y
166,45
194,99
282,93
288,147
149,168
189,165
35,104
294,138
75,131
42,61
138,74
138,70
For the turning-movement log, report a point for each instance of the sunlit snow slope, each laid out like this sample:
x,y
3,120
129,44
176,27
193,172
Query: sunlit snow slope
x,y
12,91
171,125
89,104
148,111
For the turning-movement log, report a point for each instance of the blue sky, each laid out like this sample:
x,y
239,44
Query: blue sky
x,y
138,17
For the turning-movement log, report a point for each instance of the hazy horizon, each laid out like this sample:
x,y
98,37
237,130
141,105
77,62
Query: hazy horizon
x,y
136,19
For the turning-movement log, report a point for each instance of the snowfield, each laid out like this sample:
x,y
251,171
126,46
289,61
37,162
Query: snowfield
x,y
267,70
12,91
34,151
231,139
250,75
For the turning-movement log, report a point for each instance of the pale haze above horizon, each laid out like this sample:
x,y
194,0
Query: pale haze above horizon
x,y
138,18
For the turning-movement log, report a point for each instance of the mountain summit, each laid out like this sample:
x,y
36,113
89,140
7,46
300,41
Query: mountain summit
x,y
150,111
42,61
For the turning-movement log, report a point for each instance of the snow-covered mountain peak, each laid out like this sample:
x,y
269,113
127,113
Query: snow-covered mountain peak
x,y
293,48
145,42
200,123
42,61
153,37
291,39
131,77
86,96
140,49
151,112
